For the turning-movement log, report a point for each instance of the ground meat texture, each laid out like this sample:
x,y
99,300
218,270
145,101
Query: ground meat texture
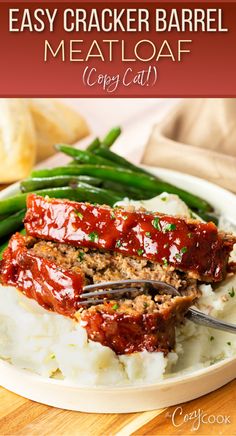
x,y
101,266
128,326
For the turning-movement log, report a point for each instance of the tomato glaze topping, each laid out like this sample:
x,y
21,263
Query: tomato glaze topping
x,y
189,246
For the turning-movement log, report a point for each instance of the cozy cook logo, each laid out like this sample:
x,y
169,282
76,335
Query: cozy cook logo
x,y
198,418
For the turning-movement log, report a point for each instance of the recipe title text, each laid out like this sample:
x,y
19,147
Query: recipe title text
x,y
116,21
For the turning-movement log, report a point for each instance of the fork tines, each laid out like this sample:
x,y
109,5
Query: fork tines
x,y
117,289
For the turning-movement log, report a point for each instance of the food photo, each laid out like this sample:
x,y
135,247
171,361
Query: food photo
x,y
118,251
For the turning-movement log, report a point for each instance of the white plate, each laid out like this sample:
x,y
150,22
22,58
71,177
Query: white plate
x,y
168,392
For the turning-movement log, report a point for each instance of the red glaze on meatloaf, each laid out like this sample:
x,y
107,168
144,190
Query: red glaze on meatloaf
x,y
128,326
190,246
52,286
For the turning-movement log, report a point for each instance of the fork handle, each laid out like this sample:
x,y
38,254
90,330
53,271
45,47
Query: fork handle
x,y
206,320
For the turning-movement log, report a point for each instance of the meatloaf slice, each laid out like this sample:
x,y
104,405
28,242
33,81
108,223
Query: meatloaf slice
x,y
193,247
53,286
128,326
53,275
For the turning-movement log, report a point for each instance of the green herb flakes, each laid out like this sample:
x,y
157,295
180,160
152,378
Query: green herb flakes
x,y
115,306
232,292
118,243
140,252
93,237
113,216
190,235
156,223
81,255
165,261
147,233
169,228
229,343
79,214
184,250
212,338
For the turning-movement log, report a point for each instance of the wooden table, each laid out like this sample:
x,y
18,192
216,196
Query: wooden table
x,y
19,416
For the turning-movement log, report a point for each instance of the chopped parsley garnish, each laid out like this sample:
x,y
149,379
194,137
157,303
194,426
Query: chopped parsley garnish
x,y
145,305
118,243
165,261
53,356
156,223
93,237
183,250
163,198
115,306
81,255
229,343
212,338
190,235
140,252
113,216
125,217
148,233
232,293
178,256
79,214
169,227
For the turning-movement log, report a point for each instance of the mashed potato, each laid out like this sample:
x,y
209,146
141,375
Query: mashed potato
x,y
45,342
55,346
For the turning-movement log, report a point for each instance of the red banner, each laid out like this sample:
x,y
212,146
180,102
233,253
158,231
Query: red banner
x,y
118,49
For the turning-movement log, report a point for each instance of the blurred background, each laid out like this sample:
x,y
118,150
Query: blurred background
x,y
30,127
196,136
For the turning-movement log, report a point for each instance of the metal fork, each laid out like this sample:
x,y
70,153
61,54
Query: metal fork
x,y
99,292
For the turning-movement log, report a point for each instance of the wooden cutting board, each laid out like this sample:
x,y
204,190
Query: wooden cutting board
x,y
19,416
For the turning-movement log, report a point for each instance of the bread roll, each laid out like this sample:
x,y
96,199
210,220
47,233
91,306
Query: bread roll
x,y
54,123
17,140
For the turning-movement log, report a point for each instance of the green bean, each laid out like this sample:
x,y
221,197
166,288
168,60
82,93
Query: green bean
x,y
83,156
120,161
208,217
3,248
130,192
13,204
94,145
82,192
126,177
108,141
3,217
36,183
111,137
12,223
